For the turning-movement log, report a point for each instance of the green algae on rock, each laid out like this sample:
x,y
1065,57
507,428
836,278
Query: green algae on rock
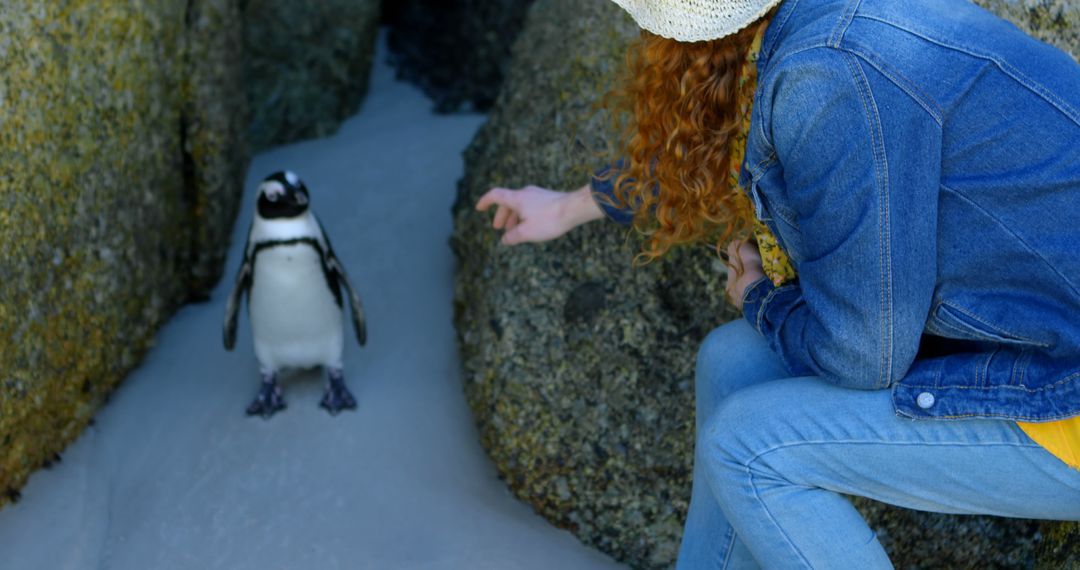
x,y
121,163
579,367
1056,22
214,119
1060,548
306,64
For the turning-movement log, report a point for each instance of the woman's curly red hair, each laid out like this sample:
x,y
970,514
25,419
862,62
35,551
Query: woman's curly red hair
x,y
676,112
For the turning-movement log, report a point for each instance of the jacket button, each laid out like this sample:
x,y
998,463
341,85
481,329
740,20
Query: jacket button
x,y
925,400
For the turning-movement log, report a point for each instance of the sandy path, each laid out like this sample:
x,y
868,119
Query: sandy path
x,y
174,475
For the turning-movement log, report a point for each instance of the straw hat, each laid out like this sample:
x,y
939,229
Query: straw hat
x,y
695,20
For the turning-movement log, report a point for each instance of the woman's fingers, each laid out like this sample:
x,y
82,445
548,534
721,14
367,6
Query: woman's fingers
x,y
501,214
512,220
515,236
529,214
745,251
733,251
497,196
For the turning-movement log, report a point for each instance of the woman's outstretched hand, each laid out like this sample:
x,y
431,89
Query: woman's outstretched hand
x,y
534,214
737,282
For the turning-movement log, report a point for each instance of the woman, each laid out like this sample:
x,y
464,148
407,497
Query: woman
x,y
910,169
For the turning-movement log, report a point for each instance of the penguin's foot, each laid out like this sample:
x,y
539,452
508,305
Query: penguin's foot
x,y
268,401
337,396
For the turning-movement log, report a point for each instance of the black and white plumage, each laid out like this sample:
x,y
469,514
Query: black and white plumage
x,y
294,286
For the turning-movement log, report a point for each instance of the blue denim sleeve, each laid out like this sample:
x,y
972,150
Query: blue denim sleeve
x,y
603,187
861,165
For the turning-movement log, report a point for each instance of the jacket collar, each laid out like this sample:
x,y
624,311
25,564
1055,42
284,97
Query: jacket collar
x,y
777,29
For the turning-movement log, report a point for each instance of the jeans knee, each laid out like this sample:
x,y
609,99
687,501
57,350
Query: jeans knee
x,y
716,370
742,426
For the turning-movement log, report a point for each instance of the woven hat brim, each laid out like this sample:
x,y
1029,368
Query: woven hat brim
x,y
695,20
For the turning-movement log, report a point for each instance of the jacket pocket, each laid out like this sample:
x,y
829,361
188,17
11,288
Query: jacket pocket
x,y
954,322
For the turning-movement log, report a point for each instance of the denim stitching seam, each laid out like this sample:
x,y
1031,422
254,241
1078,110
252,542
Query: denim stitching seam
x,y
896,78
772,519
996,328
1015,235
1036,88
842,26
731,546
882,183
1064,380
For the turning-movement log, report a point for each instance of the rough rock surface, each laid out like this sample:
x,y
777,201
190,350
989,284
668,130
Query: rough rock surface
x,y
121,160
457,52
578,366
1060,548
1056,22
306,64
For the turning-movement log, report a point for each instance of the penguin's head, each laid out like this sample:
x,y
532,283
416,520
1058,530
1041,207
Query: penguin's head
x,y
282,195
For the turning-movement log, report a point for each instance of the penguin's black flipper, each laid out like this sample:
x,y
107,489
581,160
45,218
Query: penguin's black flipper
x,y
232,306
359,323
336,270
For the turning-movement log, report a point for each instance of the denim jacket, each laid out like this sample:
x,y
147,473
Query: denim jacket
x,y
919,161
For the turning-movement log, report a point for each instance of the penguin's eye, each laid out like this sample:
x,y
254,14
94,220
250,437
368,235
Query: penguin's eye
x,y
273,195
301,198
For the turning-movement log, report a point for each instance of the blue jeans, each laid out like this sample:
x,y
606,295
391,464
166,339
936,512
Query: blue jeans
x,y
774,454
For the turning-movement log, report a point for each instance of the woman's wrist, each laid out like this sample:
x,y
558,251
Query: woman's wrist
x,y
581,207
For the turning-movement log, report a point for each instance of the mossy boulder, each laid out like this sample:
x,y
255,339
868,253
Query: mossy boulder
x,y
578,366
1060,548
457,52
307,65
121,163
1056,22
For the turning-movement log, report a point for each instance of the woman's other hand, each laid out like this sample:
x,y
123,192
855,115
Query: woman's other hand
x,y
534,214
747,253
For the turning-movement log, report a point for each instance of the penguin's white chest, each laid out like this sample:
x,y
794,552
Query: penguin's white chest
x,y
295,321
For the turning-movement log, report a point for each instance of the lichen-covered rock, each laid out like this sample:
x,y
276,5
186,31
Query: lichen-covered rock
x,y
1056,22
578,366
457,52
121,163
214,119
307,65
1060,548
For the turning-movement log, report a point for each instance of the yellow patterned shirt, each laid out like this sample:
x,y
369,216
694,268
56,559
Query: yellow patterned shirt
x,y
774,261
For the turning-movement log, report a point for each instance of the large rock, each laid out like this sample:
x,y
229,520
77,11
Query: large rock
x,y
578,366
122,158
307,65
457,52
1060,549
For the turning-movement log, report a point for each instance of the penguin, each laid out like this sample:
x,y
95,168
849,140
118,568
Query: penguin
x,y
293,282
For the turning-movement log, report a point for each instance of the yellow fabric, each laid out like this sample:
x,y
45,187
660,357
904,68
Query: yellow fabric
x,y
774,261
1062,438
